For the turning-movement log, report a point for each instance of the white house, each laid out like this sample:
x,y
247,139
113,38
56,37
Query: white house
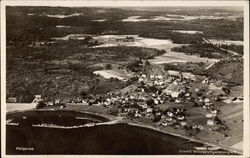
x,y
183,123
178,100
170,114
169,119
156,101
37,99
160,77
205,81
187,94
50,103
175,94
156,83
164,123
209,115
143,75
57,101
210,122
175,83
140,79
206,100
181,117
149,110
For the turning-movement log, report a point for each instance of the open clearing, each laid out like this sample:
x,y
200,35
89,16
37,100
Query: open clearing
x,y
155,18
63,16
171,57
110,74
187,31
19,106
173,17
62,26
227,42
121,40
238,146
100,20
161,44
232,111
233,115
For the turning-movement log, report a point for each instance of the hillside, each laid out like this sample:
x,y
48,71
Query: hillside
x,y
65,69
228,70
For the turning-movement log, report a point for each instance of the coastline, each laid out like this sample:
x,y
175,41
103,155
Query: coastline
x,y
120,120
185,137
117,120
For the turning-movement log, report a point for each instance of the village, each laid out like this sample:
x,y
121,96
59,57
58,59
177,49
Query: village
x,y
124,80
169,100
179,100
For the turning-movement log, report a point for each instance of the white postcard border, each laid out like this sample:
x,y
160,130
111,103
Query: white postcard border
x,y
120,4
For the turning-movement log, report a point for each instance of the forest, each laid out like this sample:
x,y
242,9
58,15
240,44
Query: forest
x,y
66,70
24,29
203,50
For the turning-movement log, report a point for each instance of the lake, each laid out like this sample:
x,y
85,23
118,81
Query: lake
x,y
118,139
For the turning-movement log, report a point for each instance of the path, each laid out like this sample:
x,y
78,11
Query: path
x,y
223,49
210,65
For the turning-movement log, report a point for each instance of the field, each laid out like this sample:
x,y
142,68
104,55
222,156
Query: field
x,y
227,42
111,74
233,116
160,44
172,57
11,107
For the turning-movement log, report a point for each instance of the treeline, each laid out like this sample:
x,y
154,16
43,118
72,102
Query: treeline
x,y
236,48
224,29
23,29
194,68
180,38
229,70
65,69
203,50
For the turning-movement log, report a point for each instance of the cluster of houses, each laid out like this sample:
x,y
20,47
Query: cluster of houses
x,y
38,44
152,94
160,98
182,88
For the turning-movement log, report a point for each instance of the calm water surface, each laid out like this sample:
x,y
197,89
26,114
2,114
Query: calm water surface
x,y
119,139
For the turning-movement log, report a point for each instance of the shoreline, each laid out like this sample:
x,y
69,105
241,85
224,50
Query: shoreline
x,y
185,137
117,120
112,120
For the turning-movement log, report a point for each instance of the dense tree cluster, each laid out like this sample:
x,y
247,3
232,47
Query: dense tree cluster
x,y
203,50
229,70
65,69
194,68
236,48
